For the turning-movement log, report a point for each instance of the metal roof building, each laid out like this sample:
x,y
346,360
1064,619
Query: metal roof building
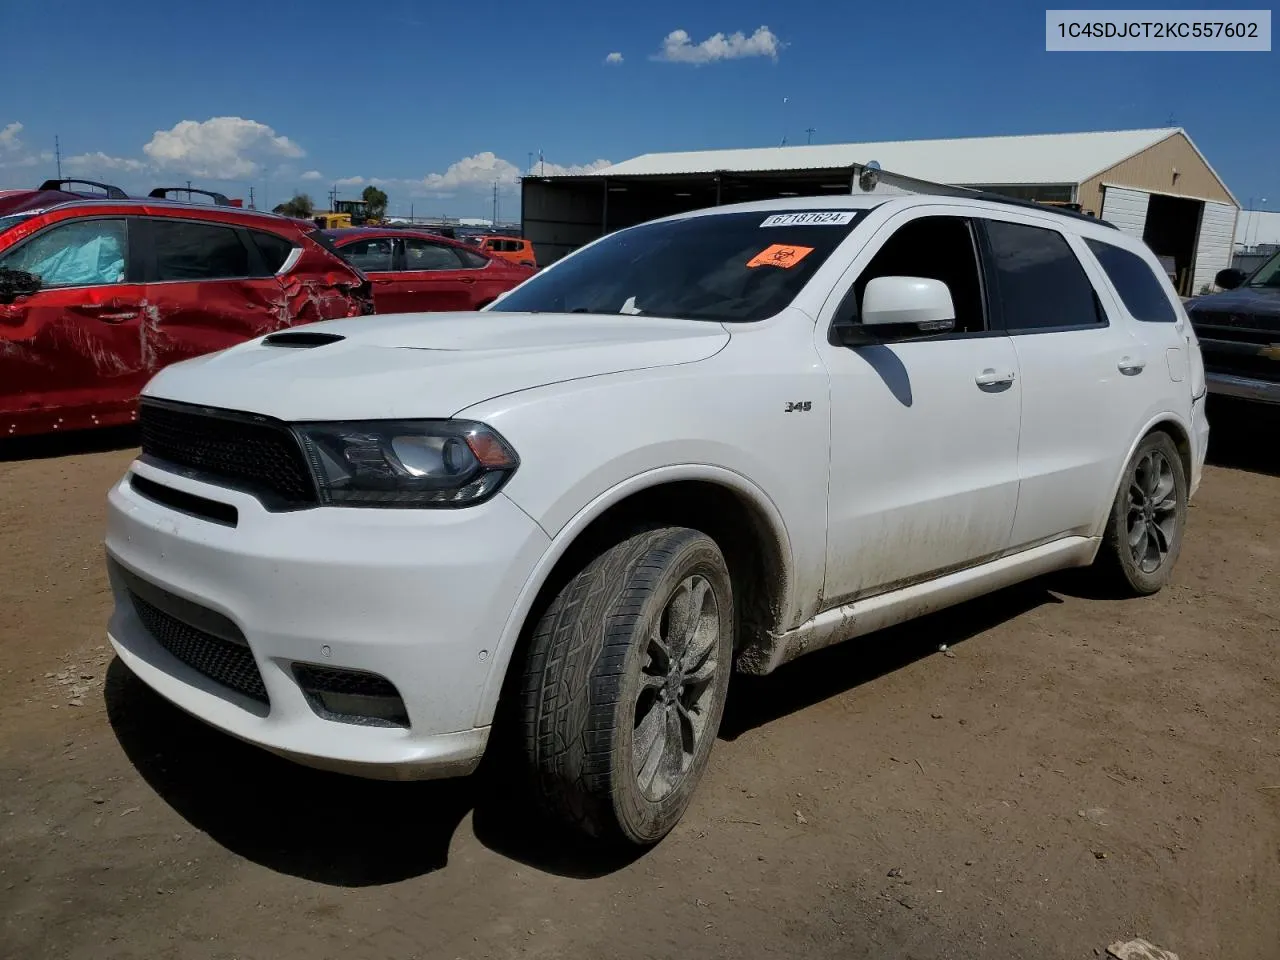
x,y
1152,183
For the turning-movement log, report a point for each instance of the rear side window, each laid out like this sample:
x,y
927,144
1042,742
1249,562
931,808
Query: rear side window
x,y
1040,283
1138,287
79,253
273,249
198,251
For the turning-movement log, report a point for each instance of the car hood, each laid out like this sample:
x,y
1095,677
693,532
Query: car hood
x,y
427,365
1251,301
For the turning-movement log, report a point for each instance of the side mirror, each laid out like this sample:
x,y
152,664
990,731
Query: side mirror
x,y
17,283
1230,278
899,308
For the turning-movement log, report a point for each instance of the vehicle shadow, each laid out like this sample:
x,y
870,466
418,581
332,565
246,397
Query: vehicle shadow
x,y
48,446
818,676
350,832
325,827
1242,435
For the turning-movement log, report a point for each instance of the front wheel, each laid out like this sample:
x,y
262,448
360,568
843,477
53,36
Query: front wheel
x,y
1144,532
625,685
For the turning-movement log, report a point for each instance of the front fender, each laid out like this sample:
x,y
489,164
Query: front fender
x,y
570,531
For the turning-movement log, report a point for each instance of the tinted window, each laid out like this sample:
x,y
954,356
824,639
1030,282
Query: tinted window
x,y
425,255
1040,283
471,259
940,248
722,266
197,251
369,255
274,249
76,254
1138,287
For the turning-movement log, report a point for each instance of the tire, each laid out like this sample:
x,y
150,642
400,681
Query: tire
x,y
1144,532
595,670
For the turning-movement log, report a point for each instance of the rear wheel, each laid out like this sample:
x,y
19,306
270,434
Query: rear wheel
x,y
625,685
1144,532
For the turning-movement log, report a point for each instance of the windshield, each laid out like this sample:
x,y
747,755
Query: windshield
x,y
1267,275
13,220
731,267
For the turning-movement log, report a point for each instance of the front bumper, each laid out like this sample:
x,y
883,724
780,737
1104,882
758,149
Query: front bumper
x,y
1244,388
419,597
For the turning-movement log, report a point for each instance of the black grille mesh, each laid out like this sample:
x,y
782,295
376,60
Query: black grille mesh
x,y
236,451
220,660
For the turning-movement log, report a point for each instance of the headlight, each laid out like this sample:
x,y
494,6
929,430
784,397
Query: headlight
x,y
406,463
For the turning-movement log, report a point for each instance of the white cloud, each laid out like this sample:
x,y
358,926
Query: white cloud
x,y
101,161
350,182
9,141
677,47
614,57
313,175
222,148
481,170
556,169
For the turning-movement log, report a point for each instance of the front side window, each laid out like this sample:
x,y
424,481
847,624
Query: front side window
x,y
470,259
1139,289
1267,275
425,255
1040,283
188,251
937,248
730,267
371,256
75,254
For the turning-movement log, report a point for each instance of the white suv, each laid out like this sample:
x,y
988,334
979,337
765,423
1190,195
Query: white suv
x,y
712,442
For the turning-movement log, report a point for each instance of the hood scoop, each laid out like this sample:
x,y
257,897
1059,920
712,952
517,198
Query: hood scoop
x,y
300,339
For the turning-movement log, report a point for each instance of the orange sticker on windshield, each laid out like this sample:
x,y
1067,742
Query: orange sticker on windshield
x,y
779,255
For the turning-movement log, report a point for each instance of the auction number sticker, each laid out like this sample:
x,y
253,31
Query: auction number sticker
x,y
815,218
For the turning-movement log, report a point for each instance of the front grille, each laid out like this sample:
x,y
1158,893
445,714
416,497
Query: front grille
x,y
256,455
222,661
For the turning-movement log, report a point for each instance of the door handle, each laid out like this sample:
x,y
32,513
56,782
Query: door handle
x,y
466,279
1130,366
111,312
991,377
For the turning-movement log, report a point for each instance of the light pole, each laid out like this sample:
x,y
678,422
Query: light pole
x,y
1253,221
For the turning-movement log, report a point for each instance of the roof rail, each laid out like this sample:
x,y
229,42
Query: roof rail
x,y
1064,211
219,199
113,193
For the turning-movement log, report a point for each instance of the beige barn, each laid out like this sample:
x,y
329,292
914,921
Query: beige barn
x,y
1154,184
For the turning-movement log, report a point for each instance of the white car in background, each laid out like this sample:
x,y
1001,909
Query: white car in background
x,y
714,441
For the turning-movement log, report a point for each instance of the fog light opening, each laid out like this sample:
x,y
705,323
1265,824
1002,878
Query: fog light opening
x,y
351,696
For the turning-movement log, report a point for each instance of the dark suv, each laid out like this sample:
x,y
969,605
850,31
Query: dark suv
x,y
96,295
1239,333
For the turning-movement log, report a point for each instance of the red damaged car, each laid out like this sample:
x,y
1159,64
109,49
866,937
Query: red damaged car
x,y
417,271
96,295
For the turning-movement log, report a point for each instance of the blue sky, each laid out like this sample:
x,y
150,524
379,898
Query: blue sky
x,y
436,101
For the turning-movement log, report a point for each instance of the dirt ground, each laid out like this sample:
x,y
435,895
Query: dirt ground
x,y
1073,771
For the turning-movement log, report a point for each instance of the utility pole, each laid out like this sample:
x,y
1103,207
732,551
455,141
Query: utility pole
x,y
251,206
809,132
57,153
495,203
188,191
333,199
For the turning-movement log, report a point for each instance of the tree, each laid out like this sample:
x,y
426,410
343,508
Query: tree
x,y
299,206
376,202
